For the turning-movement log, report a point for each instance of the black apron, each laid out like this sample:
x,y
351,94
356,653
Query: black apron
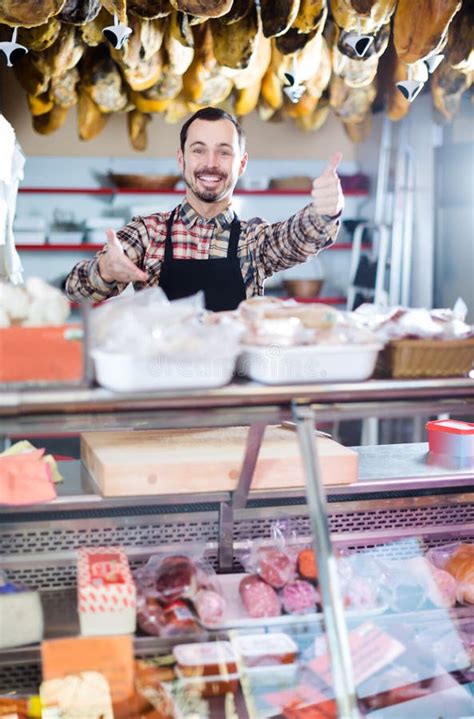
x,y
219,278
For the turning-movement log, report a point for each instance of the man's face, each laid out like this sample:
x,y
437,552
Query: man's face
x,y
212,161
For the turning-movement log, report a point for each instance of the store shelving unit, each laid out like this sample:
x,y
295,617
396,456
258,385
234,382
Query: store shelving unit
x,y
398,495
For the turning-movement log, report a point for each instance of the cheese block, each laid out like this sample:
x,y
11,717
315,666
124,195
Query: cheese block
x,y
85,695
21,617
206,460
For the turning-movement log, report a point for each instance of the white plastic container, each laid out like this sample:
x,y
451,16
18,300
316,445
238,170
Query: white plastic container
x,y
127,373
271,649
30,237
63,237
311,363
96,228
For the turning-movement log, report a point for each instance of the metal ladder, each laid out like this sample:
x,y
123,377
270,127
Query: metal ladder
x,y
392,226
392,236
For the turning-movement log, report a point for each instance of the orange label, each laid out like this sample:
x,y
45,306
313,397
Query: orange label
x,y
111,656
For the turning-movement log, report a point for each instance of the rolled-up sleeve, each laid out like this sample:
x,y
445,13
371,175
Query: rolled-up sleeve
x,y
281,245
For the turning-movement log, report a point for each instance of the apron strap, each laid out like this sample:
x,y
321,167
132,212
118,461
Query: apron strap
x,y
168,240
234,238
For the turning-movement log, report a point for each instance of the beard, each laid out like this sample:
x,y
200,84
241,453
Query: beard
x,y
203,194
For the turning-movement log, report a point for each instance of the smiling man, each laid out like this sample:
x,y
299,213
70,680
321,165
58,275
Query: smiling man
x,y
201,244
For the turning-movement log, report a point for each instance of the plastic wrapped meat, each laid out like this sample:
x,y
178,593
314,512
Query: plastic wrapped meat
x,y
176,578
210,607
461,566
360,594
443,593
178,619
165,621
307,565
149,615
275,566
259,598
299,597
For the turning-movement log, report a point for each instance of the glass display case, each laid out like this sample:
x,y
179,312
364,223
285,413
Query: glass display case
x,y
361,594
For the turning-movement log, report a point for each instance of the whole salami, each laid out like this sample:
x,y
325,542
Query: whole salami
x,y
259,598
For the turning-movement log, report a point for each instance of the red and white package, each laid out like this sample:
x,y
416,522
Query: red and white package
x,y
105,591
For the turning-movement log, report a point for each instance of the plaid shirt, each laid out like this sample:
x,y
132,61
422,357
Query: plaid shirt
x,y
263,248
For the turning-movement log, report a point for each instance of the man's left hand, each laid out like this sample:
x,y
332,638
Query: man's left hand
x,y
327,192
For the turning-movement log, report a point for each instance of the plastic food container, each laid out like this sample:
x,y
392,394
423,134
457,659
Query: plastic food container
x,y
60,237
212,685
126,373
206,659
312,363
450,437
259,650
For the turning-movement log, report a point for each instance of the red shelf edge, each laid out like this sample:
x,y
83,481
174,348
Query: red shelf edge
x,y
113,191
62,248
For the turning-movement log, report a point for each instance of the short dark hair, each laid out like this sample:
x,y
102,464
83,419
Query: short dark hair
x,y
212,114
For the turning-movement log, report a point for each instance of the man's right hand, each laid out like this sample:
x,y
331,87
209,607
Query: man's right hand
x,y
114,265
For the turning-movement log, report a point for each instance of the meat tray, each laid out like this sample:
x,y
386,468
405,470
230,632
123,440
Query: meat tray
x,y
237,618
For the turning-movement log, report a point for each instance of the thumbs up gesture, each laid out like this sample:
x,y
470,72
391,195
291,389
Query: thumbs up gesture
x,y
114,265
327,193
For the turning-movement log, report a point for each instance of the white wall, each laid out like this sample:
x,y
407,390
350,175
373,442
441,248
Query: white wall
x,y
454,246
418,134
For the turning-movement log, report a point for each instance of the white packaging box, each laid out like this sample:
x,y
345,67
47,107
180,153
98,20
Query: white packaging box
x,y
30,237
128,373
308,363
62,237
106,592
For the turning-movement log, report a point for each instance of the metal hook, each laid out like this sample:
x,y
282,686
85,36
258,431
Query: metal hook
x,y
12,49
433,62
117,34
359,43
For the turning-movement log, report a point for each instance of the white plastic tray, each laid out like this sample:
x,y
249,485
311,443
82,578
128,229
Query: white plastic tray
x,y
65,238
311,363
126,373
236,617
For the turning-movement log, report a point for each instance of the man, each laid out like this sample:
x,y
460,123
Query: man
x,y
201,244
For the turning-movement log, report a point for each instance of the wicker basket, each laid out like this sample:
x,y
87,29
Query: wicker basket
x,y
426,358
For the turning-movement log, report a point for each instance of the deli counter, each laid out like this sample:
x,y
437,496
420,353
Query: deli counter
x,y
379,628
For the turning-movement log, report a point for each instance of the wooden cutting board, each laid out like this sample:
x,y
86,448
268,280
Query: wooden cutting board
x,y
206,460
